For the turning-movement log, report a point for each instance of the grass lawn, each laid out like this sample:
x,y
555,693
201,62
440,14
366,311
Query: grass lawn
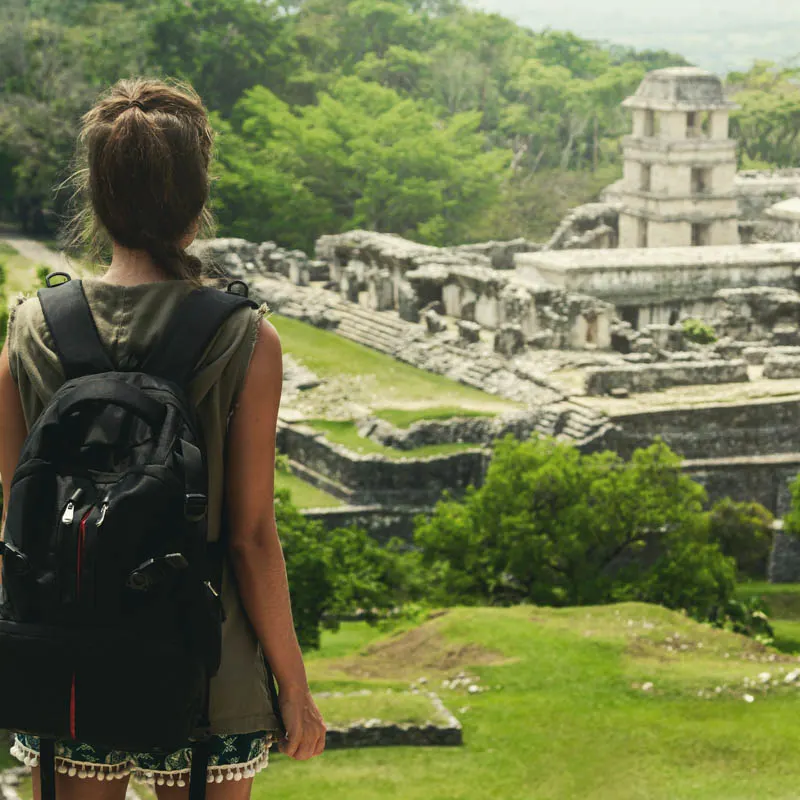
x,y
344,432
565,715
375,378
403,418
305,495
621,702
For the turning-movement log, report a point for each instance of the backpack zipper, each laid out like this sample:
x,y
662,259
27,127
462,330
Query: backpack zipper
x,y
81,540
103,510
69,512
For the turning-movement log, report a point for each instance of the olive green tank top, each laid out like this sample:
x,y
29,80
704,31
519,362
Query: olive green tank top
x,y
130,319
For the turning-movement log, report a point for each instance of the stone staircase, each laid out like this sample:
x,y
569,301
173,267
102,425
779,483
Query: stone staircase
x,y
381,330
571,421
386,332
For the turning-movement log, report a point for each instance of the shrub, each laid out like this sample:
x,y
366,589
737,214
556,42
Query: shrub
x,y
747,617
699,332
341,572
744,532
307,568
553,526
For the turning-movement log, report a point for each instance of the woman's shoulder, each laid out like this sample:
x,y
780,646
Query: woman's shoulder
x,y
26,322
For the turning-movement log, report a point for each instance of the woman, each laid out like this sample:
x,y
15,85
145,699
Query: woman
x,y
146,148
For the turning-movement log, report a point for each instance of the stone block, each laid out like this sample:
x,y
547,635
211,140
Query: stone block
x,y
319,271
755,355
654,377
509,341
349,285
435,323
786,335
407,302
380,290
666,337
298,272
468,311
782,367
469,332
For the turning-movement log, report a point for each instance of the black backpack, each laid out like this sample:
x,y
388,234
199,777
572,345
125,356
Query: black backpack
x,y
110,617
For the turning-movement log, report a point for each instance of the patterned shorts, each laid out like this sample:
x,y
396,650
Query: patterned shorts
x,y
233,758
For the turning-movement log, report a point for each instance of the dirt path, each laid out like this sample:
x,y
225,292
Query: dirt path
x,y
40,254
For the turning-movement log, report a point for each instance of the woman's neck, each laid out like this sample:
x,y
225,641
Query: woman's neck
x,y
130,267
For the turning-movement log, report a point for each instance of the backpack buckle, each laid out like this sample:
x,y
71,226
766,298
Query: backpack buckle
x,y
195,507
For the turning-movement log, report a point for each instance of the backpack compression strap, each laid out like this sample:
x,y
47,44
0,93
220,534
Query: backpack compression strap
x,y
72,326
190,332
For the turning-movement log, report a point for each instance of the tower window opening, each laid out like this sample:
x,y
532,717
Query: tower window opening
x,y
650,123
646,179
701,180
701,234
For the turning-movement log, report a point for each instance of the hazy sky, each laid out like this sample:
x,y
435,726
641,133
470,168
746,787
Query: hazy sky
x,y
716,34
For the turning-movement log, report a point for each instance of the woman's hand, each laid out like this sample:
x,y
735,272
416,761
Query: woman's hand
x,y
305,729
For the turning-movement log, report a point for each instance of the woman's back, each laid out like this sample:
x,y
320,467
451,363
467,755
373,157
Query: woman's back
x,y
130,321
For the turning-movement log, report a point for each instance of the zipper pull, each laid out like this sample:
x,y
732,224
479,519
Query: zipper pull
x,y
69,512
103,509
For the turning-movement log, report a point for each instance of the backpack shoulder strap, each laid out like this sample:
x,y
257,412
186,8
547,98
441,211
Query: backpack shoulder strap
x,y
190,331
72,326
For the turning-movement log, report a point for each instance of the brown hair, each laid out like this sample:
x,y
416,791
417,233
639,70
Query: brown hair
x,y
142,173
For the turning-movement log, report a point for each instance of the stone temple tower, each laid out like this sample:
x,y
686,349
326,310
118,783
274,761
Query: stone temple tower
x,y
680,165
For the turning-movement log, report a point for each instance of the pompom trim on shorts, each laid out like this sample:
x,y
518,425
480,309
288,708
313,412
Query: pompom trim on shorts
x,y
103,772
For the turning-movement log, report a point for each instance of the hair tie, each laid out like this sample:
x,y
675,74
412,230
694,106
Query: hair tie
x,y
136,103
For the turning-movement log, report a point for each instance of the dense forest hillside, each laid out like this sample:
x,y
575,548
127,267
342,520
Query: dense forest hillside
x,y
421,117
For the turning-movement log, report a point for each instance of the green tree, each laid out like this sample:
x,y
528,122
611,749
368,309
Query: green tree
x,y
767,123
222,47
553,526
744,532
310,585
362,157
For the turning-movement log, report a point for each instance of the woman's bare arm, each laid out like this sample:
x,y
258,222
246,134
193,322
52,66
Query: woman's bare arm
x,y
12,427
255,548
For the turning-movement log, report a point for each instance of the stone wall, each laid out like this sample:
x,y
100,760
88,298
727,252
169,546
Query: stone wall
x,y
654,377
444,731
473,430
500,255
757,314
376,479
381,522
760,479
672,279
241,257
590,226
784,561
715,431
391,273
757,190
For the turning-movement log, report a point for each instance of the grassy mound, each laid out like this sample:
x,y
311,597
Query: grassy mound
x,y
615,702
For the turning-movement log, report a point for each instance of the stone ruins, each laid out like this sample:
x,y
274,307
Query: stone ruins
x,y
671,309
